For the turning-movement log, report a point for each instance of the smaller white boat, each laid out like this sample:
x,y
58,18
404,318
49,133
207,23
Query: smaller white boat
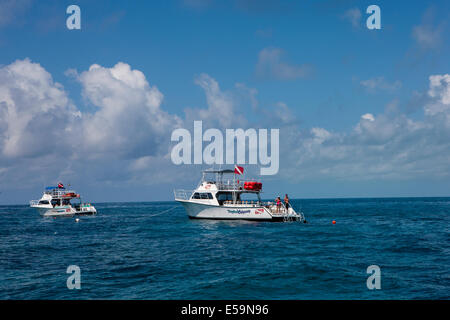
x,y
56,202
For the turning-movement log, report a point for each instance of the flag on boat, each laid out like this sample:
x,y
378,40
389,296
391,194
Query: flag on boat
x,y
238,170
60,185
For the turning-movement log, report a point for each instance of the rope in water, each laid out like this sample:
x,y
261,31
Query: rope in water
x,y
159,213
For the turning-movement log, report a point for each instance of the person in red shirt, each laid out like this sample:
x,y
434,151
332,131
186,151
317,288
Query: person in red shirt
x,y
278,201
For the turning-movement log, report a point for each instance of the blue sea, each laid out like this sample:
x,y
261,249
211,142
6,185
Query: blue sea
x,y
153,251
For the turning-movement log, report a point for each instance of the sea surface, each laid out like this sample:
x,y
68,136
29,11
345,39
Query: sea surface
x,y
153,251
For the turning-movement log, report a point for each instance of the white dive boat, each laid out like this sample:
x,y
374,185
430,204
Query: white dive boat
x,y
221,199
55,202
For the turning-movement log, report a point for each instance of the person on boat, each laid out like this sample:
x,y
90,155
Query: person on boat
x,y
278,201
286,201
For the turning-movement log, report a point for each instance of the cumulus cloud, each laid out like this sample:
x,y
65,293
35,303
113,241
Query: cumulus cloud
x,y
221,111
271,65
40,125
383,146
440,92
129,119
126,138
35,111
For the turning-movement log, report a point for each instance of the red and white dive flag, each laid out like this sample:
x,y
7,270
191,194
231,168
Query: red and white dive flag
x,y
238,170
60,185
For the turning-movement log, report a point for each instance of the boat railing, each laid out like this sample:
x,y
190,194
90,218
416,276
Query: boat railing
x,y
288,215
60,192
242,203
228,186
234,185
267,204
272,206
181,194
34,202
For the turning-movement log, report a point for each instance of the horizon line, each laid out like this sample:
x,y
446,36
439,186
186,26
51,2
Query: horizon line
x,y
318,198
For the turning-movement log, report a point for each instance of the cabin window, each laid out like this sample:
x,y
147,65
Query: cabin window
x,y
203,195
224,196
44,202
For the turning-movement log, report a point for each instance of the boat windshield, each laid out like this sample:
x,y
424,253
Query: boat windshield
x,y
60,202
227,197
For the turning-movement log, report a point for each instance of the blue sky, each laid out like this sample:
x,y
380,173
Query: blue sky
x,y
312,60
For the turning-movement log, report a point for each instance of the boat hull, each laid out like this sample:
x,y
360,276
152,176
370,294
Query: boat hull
x,y
215,212
56,212
64,211
86,211
272,219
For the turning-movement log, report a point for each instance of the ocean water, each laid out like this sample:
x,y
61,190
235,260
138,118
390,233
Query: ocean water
x,y
128,251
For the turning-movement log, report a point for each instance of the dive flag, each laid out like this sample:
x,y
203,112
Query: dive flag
x,y
60,185
238,170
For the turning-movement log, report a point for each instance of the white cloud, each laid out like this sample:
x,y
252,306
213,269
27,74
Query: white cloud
x,y
44,137
353,15
428,35
282,114
126,138
221,111
43,134
320,135
379,83
129,120
385,146
368,116
271,65
35,111
440,92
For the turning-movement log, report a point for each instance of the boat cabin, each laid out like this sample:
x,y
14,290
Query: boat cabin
x,y
216,189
